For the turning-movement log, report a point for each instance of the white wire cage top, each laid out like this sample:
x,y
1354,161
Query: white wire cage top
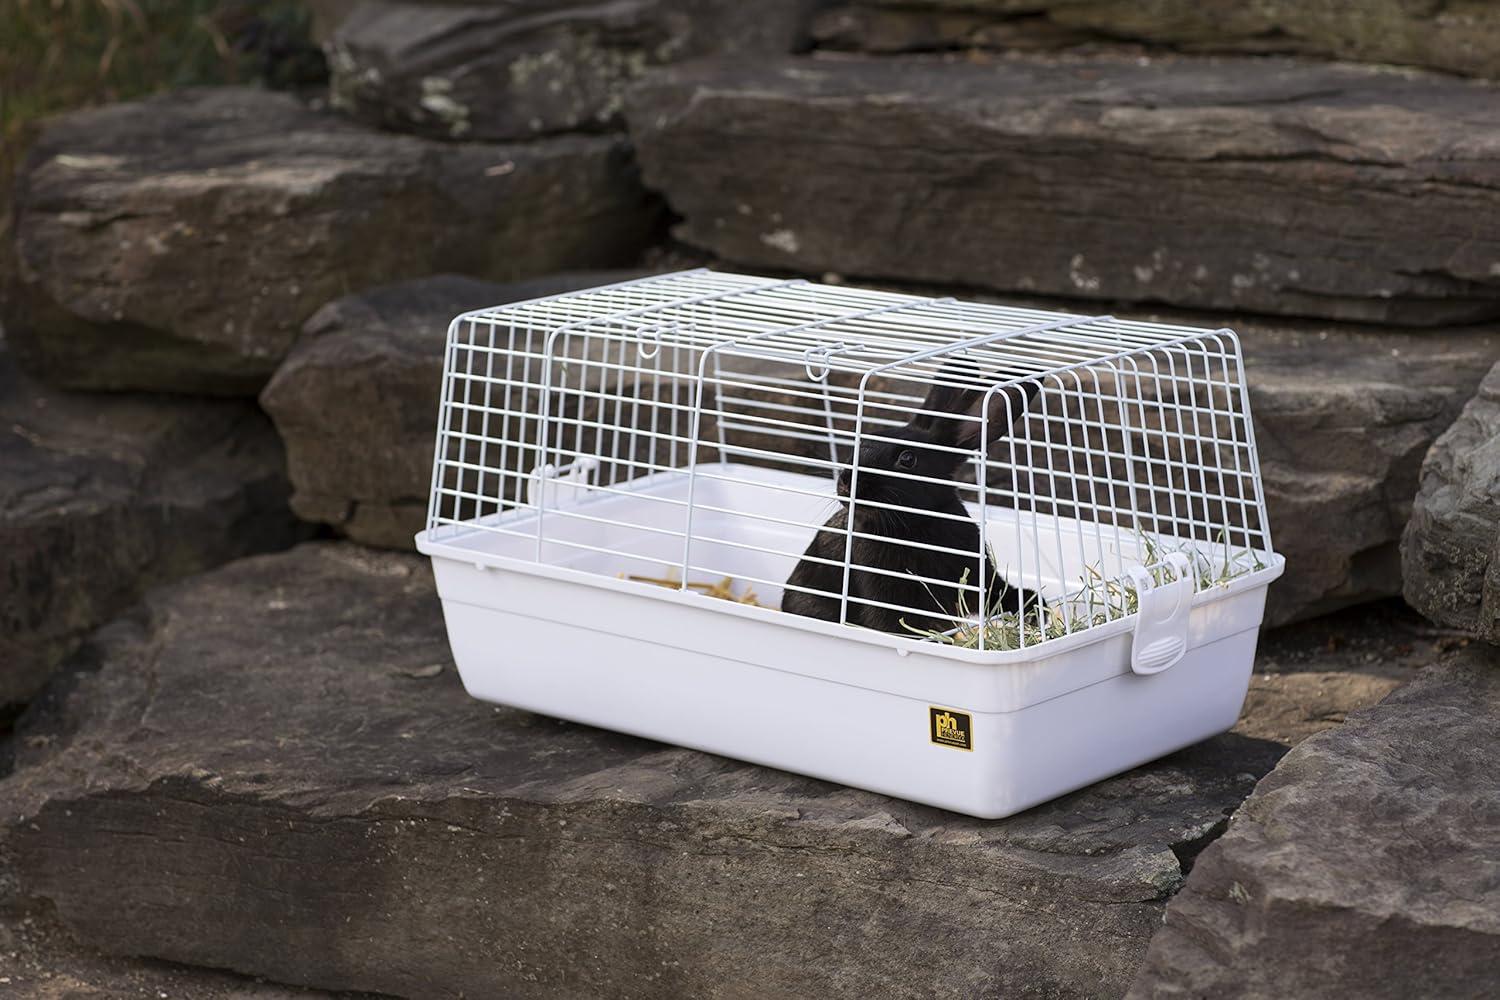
x,y
974,474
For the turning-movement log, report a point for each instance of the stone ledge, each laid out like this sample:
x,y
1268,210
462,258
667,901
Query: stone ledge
x,y
1459,37
1343,413
1263,185
341,814
40,960
102,497
356,400
506,71
178,243
1366,864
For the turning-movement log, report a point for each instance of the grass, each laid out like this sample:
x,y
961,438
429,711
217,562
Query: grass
x,y
57,55
1100,598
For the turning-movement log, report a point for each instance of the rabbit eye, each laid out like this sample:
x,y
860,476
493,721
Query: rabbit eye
x,y
906,460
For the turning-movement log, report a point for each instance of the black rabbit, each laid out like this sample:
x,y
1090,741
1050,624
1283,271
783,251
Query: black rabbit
x,y
911,451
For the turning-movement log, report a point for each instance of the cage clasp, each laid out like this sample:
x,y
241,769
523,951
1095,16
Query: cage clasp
x,y
818,360
648,337
1162,611
554,485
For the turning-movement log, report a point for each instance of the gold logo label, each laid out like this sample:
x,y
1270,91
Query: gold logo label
x,y
951,729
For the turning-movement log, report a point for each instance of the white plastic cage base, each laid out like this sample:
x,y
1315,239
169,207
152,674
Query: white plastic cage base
x,y
545,625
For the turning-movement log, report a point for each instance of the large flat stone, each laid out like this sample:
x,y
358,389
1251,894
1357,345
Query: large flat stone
x,y
1343,416
1367,864
39,960
274,770
356,400
535,67
1462,37
180,242
104,496
1261,185
1451,549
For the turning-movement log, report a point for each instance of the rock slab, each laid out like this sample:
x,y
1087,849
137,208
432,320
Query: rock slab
x,y
527,68
356,400
1457,37
1343,417
1367,864
274,770
39,960
1261,185
179,243
1451,549
102,497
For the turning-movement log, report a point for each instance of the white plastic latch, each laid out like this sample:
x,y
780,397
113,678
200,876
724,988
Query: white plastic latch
x,y
1162,610
552,485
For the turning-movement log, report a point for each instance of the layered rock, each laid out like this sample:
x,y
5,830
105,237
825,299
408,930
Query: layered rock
x,y
1268,186
1367,864
874,27
521,69
179,242
43,962
357,399
1451,549
102,497
378,829
1311,675
1462,37
1343,418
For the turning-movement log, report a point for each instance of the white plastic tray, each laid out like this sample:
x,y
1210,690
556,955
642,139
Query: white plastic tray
x,y
565,636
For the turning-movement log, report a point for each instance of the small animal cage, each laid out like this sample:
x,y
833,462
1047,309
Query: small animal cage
x,y
970,555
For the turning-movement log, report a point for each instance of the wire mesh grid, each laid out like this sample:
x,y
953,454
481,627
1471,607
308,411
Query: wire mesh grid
x,y
976,474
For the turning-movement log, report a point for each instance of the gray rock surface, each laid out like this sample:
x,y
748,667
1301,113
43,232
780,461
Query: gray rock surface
x,y
1309,676
180,242
356,400
1343,417
1451,549
104,496
292,727
1458,37
40,960
524,68
873,27
1367,864
1250,184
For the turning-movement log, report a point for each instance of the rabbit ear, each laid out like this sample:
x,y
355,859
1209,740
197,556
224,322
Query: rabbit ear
x,y
945,403
1007,408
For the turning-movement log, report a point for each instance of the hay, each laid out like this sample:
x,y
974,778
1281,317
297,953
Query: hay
x,y
723,589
